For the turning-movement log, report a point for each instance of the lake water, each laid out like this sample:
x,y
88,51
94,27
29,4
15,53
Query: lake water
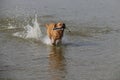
x,y
91,51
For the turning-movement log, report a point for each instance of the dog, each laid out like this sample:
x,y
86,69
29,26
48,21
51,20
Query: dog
x,y
55,32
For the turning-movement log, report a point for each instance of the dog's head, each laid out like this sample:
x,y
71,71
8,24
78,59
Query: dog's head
x,y
60,26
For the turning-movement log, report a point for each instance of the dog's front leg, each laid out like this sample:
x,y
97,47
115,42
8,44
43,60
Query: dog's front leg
x,y
58,42
53,41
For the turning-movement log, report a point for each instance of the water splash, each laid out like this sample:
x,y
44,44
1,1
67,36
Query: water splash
x,y
33,32
46,40
10,26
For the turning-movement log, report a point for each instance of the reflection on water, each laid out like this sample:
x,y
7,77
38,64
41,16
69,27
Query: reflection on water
x,y
57,63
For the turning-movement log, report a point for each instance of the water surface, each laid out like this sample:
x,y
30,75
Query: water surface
x,y
91,51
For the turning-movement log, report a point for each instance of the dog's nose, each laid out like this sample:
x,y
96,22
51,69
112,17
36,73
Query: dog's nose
x,y
64,26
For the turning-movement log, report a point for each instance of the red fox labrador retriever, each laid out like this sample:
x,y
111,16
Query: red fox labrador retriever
x,y
55,32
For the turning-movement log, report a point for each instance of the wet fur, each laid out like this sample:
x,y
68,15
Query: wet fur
x,y
55,35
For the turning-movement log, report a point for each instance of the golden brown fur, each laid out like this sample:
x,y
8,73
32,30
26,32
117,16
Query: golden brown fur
x,y
55,32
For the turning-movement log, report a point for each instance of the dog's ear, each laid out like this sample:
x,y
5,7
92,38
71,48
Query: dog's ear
x,y
48,25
